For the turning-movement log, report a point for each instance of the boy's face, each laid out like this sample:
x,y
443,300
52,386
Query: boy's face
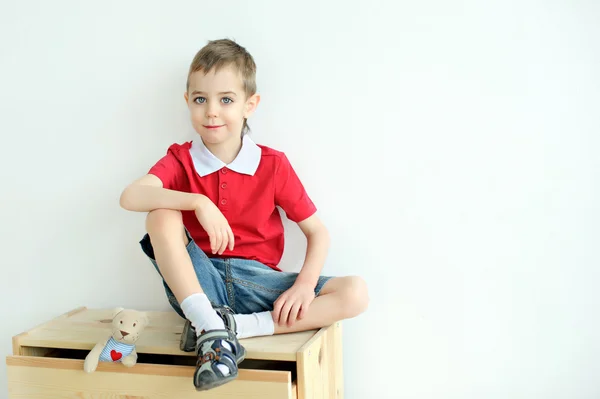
x,y
218,105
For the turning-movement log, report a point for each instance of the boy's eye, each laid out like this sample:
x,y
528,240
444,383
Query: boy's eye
x,y
199,100
227,100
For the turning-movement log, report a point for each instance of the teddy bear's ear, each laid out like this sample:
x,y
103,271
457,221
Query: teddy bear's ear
x,y
145,319
116,311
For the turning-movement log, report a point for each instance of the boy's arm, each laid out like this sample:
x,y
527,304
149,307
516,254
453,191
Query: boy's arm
x,y
147,194
317,237
294,302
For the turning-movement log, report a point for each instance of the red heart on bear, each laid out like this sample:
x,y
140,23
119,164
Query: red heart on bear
x,y
114,355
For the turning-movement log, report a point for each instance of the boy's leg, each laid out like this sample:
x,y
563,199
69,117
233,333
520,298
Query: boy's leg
x,y
341,298
168,244
256,287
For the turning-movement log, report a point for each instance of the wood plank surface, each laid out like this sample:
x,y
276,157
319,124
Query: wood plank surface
x,y
82,328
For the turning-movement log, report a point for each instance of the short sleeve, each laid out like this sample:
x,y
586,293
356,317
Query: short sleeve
x,y
169,170
290,194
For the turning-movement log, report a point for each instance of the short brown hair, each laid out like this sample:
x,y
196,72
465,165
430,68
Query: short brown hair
x,y
222,53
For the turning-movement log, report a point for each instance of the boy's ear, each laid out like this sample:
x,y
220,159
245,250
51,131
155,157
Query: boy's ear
x,y
251,105
186,96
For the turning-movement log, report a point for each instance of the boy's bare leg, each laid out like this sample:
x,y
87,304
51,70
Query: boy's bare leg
x,y
340,298
169,241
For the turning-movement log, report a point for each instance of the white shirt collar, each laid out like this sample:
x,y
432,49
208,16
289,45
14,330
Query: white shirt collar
x,y
246,161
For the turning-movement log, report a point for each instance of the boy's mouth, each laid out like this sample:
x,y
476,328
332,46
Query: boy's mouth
x,y
213,126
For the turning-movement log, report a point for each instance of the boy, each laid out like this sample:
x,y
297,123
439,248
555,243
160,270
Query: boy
x,y
214,233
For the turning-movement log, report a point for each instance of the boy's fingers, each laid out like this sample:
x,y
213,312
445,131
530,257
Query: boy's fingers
x,y
231,239
214,241
278,307
225,238
276,310
219,240
293,314
211,237
302,312
285,313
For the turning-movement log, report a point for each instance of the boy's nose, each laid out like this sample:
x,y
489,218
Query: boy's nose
x,y
211,112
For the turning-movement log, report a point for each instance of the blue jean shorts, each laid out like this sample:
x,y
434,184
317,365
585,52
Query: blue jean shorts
x,y
246,286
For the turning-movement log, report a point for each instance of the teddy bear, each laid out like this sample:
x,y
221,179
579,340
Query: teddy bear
x,y
127,325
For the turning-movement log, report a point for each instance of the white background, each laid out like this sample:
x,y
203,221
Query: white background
x,y
451,147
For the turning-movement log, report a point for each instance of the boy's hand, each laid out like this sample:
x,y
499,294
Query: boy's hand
x,y
293,303
215,224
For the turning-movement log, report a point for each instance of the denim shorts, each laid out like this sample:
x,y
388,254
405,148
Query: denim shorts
x,y
246,286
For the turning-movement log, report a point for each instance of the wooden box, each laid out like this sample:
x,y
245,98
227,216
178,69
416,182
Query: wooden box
x,y
47,363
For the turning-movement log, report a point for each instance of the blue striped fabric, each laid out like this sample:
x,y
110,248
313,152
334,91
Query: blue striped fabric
x,y
115,351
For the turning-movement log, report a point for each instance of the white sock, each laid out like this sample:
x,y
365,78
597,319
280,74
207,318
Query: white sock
x,y
254,325
198,310
200,313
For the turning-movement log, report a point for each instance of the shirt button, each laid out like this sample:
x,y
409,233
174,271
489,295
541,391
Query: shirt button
x,y
223,170
224,185
223,202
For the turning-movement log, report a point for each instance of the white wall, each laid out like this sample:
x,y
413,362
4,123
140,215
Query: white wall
x,y
450,146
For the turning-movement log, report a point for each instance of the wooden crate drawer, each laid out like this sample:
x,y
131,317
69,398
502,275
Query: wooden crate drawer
x,y
32,377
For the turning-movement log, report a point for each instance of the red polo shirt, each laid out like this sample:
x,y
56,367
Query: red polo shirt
x,y
247,192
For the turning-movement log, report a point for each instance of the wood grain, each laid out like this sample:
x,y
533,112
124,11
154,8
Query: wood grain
x,y
320,367
49,378
82,329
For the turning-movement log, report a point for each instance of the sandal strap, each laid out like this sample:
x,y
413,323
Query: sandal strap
x,y
225,358
226,314
217,354
212,335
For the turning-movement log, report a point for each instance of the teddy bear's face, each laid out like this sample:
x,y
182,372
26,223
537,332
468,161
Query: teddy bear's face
x,y
128,325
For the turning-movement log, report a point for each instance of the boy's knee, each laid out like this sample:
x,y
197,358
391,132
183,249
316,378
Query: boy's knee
x,y
355,296
161,223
